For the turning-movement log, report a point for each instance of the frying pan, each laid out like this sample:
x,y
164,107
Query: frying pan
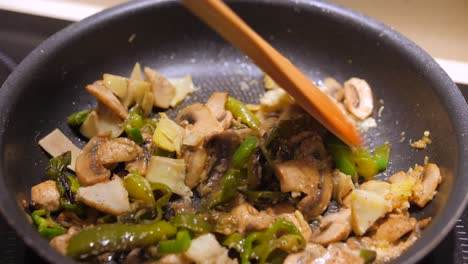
x,y
322,39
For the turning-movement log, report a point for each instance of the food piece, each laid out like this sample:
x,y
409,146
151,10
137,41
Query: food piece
x,y
366,208
46,195
101,121
61,242
168,135
381,156
248,218
110,197
216,104
45,225
89,169
199,119
170,172
206,249
193,222
195,158
333,228
342,186
76,119
180,244
275,99
107,98
163,91
334,89
136,93
425,187
394,227
117,150
243,153
240,111
139,188
118,237
116,84
423,142
56,143
136,73
183,87
358,98
311,252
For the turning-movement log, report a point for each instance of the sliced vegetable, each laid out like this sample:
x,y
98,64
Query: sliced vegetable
x,y
244,152
76,119
116,84
240,111
168,135
178,245
229,184
365,165
269,197
366,208
139,188
381,156
45,225
56,165
118,237
163,199
342,156
170,172
235,241
368,255
133,124
193,222
183,87
282,235
102,121
56,143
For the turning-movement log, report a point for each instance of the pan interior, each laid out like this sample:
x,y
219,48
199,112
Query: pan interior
x,y
319,40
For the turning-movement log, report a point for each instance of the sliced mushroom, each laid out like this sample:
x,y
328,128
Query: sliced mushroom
x,y
334,89
89,169
425,188
141,162
394,227
305,177
358,98
163,90
106,97
110,197
216,104
200,119
333,228
297,218
248,218
195,159
46,195
118,150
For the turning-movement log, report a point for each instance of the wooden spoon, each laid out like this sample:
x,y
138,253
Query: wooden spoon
x,y
223,20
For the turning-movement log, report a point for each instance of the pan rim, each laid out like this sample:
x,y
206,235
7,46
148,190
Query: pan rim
x,y
444,87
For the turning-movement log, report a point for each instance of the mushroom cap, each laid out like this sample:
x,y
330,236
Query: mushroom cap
x,y
89,169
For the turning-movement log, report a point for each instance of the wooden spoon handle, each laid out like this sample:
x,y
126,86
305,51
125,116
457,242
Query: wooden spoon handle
x,y
223,20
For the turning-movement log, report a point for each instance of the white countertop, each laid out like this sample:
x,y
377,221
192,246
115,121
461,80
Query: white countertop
x,y
438,26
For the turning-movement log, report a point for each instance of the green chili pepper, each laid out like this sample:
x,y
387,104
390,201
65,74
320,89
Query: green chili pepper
x,y
45,225
342,156
368,255
133,124
118,237
240,111
193,222
381,156
266,196
365,164
235,241
229,184
74,184
163,200
77,118
163,153
139,188
243,153
281,235
180,244
57,165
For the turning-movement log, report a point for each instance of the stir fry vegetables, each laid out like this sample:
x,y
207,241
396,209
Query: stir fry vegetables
x,y
223,181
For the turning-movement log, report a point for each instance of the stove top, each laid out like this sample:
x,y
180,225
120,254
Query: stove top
x,y
21,33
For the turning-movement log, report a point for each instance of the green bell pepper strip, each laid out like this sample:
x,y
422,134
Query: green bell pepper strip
x,y
139,188
229,184
195,223
243,152
77,119
259,245
163,200
45,225
381,156
163,153
57,165
235,241
342,156
365,164
118,237
368,255
240,111
180,244
133,124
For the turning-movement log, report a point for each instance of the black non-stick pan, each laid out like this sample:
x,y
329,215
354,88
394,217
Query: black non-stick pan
x,y
320,38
